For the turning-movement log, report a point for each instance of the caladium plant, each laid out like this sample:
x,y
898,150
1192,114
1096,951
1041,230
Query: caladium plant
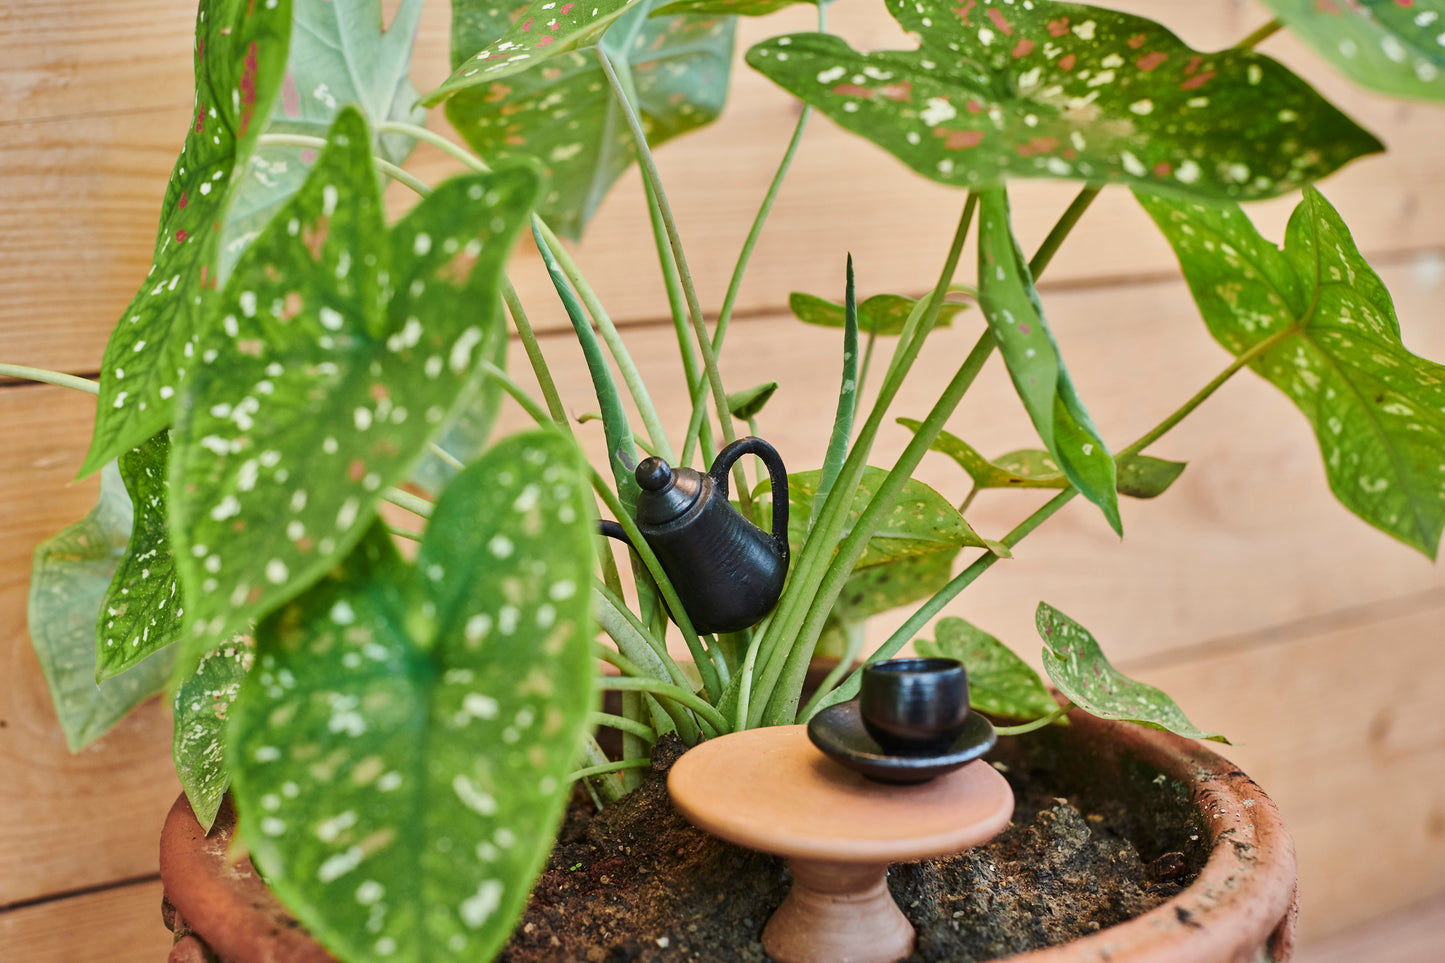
x,y
381,627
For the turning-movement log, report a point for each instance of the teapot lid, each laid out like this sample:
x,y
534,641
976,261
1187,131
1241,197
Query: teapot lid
x,y
666,492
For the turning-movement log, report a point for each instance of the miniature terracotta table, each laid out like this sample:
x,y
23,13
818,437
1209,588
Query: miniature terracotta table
x,y
772,790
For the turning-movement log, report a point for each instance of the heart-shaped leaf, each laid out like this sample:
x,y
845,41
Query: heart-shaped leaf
x,y
1317,323
1001,89
564,116
921,521
1393,46
999,682
883,314
401,749
142,610
339,56
1077,665
68,581
240,55
198,744
1008,299
341,349
1139,476
539,31
881,588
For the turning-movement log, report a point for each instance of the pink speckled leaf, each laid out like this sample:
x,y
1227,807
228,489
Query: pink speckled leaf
x,y
1395,46
542,30
1001,89
340,349
240,53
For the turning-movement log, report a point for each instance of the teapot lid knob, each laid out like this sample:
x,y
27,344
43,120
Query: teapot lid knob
x,y
653,474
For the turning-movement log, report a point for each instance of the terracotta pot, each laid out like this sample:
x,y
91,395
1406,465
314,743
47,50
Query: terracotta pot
x,y
1241,908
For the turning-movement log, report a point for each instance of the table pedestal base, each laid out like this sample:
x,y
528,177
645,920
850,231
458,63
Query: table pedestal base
x,y
838,913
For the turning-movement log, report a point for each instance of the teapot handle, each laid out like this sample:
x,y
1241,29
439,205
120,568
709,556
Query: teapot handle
x,y
777,475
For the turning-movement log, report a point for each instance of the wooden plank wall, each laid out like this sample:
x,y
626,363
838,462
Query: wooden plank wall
x,y
1247,592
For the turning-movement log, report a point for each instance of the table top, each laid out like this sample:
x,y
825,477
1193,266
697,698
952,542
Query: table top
x,y
772,790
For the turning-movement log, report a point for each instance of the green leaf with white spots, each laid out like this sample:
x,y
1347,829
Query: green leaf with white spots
x,y
921,522
341,349
539,30
68,581
749,402
142,609
340,55
240,55
1008,299
201,705
401,749
563,113
883,314
1139,476
1000,89
1316,322
1078,667
727,8
999,682
1394,46
468,428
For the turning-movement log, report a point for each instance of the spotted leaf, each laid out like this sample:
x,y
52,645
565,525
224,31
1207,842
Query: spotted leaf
x,y
1000,89
142,610
340,349
999,682
68,581
1008,299
564,116
539,30
339,55
1394,46
240,54
1139,476
726,8
921,522
1078,667
1316,322
401,749
884,314
202,702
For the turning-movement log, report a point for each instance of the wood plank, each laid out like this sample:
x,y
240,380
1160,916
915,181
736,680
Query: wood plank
x,y
1413,935
66,821
82,194
120,925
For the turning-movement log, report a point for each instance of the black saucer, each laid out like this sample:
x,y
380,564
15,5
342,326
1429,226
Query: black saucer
x,y
838,731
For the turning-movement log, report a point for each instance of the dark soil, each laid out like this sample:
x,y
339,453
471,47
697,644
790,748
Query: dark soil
x,y
638,883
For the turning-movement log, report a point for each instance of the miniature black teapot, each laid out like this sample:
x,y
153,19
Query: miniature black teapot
x,y
728,572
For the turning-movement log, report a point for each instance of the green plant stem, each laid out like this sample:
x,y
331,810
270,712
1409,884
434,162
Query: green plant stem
x,y
540,370
664,690
319,143
517,393
654,183
1024,727
634,639
452,461
45,376
598,719
615,345
1065,224
609,787
400,532
607,767
698,431
439,141
1260,35
412,503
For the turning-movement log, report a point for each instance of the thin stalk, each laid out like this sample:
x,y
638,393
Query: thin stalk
x,y
1024,727
451,460
611,787
620,355
607,767
599,719
45,376
442,143
633,638
1060,230
665,690
517,393
319,143
654,183
1260,35
412,503
867,362
400,532
534,355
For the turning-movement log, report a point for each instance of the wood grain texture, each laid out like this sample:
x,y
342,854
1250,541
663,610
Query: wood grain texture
x,y
81,193
120,925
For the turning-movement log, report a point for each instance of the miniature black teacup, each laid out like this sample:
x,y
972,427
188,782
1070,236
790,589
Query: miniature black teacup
x,y
914,707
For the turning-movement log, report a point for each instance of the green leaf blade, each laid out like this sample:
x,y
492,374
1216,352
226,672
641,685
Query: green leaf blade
x,y
241,50
1059,90
1008,299
432,714
1078,667
999,682
1387,45
880,314
202,702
